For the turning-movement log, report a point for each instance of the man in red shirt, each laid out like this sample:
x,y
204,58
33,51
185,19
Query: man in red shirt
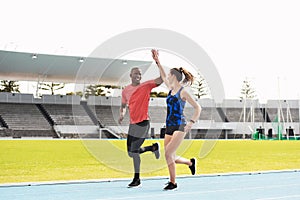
x,y
136,96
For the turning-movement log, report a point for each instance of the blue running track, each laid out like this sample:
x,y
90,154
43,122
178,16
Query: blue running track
x,y
255,186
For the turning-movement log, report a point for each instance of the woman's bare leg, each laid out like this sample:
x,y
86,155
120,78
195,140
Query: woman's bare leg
x,y
171,145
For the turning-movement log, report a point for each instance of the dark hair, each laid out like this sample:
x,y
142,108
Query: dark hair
x,y
178,72
134,68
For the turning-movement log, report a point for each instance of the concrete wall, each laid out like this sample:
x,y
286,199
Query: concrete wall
x,y
46,99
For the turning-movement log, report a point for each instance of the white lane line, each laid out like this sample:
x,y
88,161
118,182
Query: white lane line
x,y
282,197
176,193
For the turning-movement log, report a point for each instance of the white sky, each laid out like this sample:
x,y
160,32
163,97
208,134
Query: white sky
x,y
257,39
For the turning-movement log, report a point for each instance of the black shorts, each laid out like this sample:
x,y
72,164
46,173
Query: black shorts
x,y
137,134
171,129
139,130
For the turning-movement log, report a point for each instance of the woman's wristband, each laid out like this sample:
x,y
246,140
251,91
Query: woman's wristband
x,y
192,121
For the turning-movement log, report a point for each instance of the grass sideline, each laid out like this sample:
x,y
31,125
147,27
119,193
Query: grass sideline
x,y
52,160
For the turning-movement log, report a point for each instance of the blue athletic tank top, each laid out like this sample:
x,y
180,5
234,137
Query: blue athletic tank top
x,y
175,106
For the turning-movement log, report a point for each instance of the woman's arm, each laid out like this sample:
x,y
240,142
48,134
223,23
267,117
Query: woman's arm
x,y
161,69
197,109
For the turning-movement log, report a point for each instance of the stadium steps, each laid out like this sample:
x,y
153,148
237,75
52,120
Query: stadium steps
x,y
63,114
109,133
109,115
265,115
23,117
207,114
25,120
48,118
237,115
222,115
2,122
91,114
33,133
234,114
6,132
258,115
157,115
45,114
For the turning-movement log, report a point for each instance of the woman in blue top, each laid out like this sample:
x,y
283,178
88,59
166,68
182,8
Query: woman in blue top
x,y
176,124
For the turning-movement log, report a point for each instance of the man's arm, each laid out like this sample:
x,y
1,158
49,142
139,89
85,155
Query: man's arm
x,y
122,112
158,81
162,72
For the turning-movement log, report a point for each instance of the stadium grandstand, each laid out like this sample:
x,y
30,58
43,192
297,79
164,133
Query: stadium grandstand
x,y
64,116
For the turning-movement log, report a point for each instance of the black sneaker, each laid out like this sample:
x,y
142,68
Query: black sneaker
x,y
156,150
135,183
193,166
171,186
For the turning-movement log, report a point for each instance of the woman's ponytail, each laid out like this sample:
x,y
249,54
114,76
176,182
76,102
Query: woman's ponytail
x,y
179,72
188,76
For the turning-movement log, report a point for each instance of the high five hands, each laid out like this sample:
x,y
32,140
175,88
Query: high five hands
x,y
155,55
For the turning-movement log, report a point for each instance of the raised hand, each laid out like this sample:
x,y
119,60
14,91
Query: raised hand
x,y
155,55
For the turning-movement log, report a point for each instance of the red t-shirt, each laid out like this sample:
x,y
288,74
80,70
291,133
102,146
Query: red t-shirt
x,y
137,98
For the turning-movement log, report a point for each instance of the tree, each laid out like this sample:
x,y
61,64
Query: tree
x,y
78,93
153,94
52,87
158,94
199,86
99,90
162,94
247,91
9,86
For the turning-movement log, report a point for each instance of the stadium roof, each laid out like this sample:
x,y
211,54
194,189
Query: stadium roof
x,y
21,66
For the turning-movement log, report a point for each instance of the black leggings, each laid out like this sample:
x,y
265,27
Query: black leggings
x,y
134,144
136,137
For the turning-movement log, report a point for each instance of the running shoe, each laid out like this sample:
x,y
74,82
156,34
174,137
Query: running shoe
x,y
135,183
156,150
171,186
193,166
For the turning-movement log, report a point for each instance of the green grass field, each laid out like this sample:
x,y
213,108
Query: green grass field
x,y
50,160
